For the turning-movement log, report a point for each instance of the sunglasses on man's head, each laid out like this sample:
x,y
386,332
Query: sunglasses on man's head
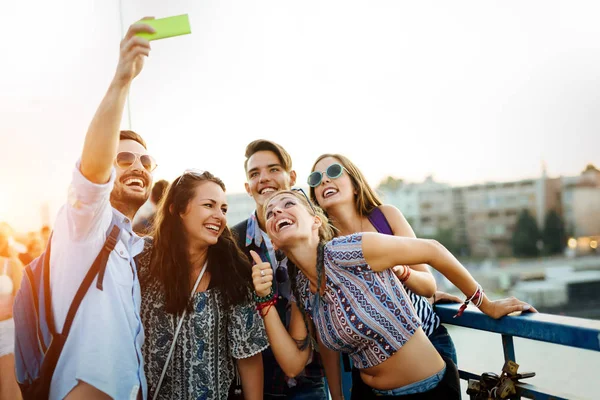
x,y
126,159
334,171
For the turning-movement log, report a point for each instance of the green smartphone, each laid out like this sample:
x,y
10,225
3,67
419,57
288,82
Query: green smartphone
x,y
166,27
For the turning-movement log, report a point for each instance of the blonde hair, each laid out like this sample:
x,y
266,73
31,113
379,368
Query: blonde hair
x,y
325,235
326,232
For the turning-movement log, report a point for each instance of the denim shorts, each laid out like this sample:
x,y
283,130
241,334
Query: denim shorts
x,y
441,340
421,386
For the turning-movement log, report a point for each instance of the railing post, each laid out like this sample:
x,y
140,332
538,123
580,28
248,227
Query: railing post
x,y
509,348
509,352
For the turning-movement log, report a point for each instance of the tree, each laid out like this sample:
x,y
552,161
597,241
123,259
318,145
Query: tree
x,y
446,237
525,236
554,234
390,183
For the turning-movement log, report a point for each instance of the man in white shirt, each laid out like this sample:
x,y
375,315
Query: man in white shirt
x,y
102,356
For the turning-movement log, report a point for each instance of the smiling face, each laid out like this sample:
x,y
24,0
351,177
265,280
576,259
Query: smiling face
x,y
288,220
133,184
204,218
265,175
336,191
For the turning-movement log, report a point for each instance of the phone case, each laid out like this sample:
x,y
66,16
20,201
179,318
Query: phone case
x,y
167,27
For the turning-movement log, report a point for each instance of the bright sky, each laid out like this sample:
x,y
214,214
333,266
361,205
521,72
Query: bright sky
x,y
468,91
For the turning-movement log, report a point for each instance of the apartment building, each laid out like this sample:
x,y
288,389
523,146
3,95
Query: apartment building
x,y
483,216
581,203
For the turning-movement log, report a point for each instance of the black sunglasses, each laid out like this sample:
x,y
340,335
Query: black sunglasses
x,y
334,171
126,159
281,274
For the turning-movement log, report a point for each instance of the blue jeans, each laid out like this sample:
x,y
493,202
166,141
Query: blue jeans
x,y
443,343
447,389
421,386
306,389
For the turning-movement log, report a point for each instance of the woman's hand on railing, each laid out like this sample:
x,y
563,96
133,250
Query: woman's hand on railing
x,y
262,275
499,308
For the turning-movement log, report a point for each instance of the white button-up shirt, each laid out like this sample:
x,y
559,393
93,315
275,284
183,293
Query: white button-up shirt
x,y
105,341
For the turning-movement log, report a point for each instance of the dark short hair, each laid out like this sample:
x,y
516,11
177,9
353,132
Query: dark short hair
x,y
131,135
158,190
267,145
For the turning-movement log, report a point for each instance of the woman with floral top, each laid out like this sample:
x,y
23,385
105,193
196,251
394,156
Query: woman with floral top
x,y
196,288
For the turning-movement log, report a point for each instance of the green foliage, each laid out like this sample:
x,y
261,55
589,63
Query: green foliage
x,y
446,237
525,236
390,183
554,234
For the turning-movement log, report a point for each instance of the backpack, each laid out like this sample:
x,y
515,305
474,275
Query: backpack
x,y
37,343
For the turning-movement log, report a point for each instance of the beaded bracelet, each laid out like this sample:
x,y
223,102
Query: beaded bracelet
x,y
477,299
259,300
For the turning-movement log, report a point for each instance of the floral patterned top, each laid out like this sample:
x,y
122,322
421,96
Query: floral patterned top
x,y
202,364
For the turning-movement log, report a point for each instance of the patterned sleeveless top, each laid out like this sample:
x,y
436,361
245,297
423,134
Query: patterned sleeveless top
x,y
363,313
424,309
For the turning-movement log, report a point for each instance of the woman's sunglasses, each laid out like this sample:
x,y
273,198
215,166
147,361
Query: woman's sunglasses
x,y
196,173
126,159
333,171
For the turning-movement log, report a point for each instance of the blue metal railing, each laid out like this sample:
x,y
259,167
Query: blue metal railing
x,y
574,332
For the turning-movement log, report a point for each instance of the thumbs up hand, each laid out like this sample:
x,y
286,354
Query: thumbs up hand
x,y
262,275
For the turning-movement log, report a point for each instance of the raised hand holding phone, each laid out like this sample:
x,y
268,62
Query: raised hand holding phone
x,y
133,50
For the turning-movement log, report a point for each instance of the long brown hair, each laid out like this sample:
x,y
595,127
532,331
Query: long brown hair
x,y
229,268
365,199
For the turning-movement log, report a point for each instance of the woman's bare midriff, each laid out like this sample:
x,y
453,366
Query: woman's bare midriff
x,y
415,361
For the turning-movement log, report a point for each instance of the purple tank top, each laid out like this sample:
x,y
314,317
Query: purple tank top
x,y
379,221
